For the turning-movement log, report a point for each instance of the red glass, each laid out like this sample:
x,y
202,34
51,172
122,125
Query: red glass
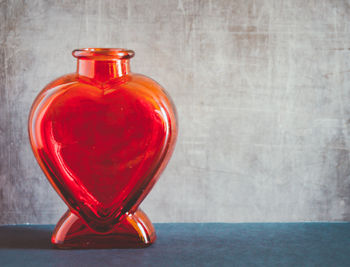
x,y
102,136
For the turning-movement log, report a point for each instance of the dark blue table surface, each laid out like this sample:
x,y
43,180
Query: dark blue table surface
x,y
181,244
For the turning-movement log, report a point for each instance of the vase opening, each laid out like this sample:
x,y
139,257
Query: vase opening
x,y
103,53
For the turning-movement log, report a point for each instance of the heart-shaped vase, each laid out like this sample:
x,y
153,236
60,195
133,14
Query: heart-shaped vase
x,y
102,136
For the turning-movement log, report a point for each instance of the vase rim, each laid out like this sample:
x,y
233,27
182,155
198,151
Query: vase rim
x,y
103,53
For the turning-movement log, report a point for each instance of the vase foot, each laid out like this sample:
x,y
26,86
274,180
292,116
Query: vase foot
x,y
134,231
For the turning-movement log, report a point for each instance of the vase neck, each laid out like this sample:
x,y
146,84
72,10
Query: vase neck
x,y
103,64
103,70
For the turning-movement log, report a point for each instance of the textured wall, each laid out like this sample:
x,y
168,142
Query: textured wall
x,y
262,90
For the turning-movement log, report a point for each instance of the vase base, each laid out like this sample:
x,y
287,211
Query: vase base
x,y
134,231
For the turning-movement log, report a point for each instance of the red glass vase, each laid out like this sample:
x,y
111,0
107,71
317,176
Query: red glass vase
x,y
102,136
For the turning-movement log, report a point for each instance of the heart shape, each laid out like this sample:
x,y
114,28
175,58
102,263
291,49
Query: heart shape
x,y
103,147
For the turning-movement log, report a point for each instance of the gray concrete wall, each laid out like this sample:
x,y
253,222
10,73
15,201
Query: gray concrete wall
x,y
262,90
